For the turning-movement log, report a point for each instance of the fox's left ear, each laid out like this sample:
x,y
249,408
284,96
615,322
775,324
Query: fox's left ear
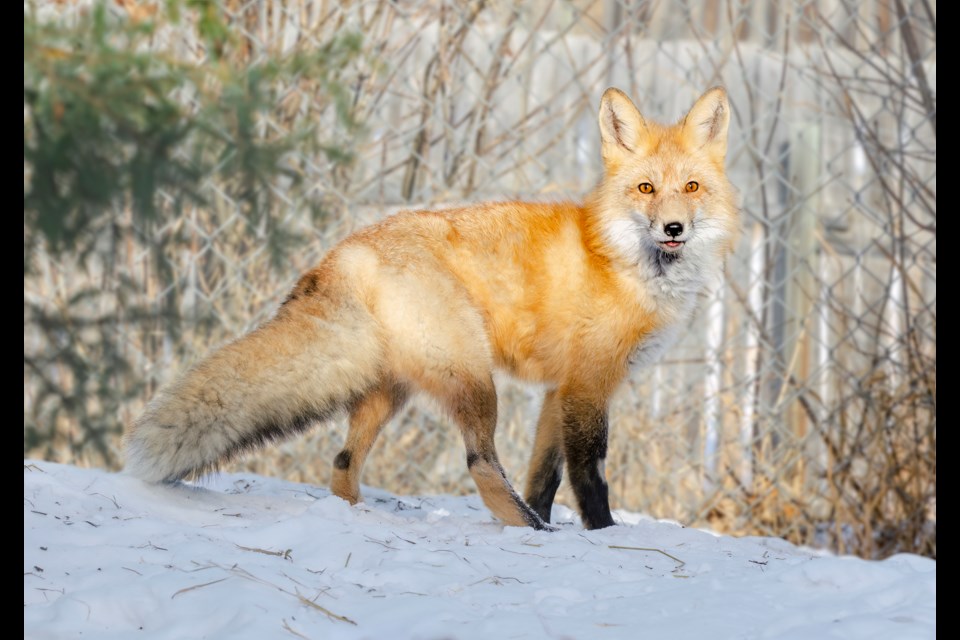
x,y
707,122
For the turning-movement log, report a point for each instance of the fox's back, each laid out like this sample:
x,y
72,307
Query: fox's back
x,y
519,286
486,280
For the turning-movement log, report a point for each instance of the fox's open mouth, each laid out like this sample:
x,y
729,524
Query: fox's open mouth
x,y
671,246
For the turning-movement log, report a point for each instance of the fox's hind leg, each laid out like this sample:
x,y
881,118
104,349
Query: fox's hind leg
x,y
546,464
367,419
474,407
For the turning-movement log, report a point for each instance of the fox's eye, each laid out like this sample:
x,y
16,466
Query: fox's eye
x,y
692,186
645,187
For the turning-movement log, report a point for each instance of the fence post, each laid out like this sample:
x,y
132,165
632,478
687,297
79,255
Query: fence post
x,y
713,421
801,285
751,369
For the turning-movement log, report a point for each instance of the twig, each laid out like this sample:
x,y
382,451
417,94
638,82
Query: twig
x,y
324,610
679,562
286,554
287,627
111,499
197,586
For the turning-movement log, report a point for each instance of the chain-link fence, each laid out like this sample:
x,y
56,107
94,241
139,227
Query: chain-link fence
x,y
801,403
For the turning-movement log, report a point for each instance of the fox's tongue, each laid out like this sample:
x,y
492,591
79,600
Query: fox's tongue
x,y
672,243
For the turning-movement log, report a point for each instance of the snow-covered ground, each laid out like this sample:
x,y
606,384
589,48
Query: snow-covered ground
x,y
106,556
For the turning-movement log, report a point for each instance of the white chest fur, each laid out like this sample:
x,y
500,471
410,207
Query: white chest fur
x,y
675,314
673,283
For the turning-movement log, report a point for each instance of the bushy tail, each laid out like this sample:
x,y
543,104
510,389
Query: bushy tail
x,y
276,381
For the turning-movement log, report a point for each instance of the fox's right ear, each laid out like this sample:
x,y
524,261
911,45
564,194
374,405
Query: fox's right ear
x,y
621,125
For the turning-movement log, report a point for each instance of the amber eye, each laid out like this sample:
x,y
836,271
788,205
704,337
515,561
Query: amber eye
x,y
692,186
645,187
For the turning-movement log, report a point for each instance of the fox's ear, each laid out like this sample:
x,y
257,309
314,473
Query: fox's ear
x,y
706,124
621,124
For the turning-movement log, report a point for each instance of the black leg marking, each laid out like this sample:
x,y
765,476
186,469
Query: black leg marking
x,y
342,461
544,482
472,458
585,445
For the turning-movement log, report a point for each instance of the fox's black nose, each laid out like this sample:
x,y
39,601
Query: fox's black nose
x,y
673,229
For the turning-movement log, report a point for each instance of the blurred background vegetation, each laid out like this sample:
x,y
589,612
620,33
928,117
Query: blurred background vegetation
x,y
132,146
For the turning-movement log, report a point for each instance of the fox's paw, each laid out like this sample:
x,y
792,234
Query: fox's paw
x,y
534,520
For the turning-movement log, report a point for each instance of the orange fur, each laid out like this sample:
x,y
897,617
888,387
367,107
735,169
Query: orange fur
x,y
564,294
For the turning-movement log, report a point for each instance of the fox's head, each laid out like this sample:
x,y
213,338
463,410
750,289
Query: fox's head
x,y
665,193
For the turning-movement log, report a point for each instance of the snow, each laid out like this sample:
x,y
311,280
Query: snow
x,y
243,556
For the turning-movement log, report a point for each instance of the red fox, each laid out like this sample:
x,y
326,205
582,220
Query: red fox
x,y
565,294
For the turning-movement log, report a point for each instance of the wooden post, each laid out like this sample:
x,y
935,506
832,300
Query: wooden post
x,y
801,284
713,421
754,311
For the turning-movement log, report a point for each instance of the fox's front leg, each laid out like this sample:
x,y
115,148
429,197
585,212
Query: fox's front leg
x,y
585,449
